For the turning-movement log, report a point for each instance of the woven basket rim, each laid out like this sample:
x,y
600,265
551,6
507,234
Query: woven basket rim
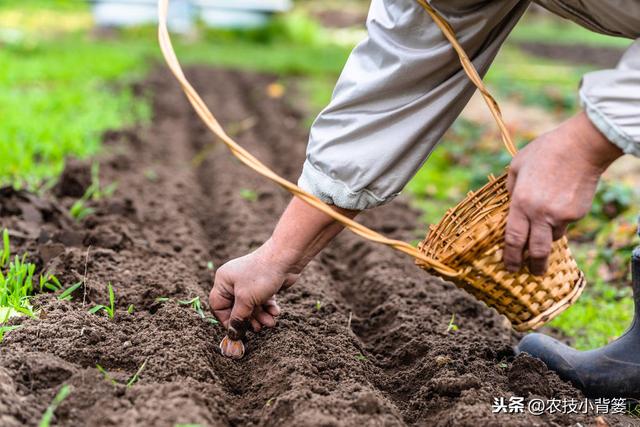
x,y
555,309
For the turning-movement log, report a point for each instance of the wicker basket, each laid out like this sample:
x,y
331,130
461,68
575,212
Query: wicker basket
x,y
466,246
470,239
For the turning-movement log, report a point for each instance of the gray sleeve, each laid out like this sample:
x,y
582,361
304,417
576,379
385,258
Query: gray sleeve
x,y
611,99
400,90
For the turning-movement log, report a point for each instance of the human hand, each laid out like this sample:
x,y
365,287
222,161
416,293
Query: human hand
x,y
552,182
244,290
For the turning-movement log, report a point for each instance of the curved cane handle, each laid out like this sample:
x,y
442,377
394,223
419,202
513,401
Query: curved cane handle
x,y
249,160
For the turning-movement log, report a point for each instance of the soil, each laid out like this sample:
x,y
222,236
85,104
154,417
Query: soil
x,y
363,337
599,56
332,18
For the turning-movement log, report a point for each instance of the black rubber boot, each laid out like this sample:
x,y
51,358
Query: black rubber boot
x,y
609,371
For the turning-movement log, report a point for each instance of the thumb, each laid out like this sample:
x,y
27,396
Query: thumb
x,y
239,319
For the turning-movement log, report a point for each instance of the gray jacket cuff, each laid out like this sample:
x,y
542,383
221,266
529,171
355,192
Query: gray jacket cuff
x,y
335,192
613,133
611,100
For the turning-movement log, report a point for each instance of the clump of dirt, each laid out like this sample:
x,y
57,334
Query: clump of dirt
x,y
364,336
74,180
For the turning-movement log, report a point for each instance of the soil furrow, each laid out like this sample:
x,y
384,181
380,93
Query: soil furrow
x,y
179,206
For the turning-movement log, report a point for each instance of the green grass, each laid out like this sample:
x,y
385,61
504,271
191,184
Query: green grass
x,y
536,81
16,282
56,99
600,315
63,88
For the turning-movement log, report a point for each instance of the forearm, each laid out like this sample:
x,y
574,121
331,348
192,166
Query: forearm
x,y
301,233
400,90
589,144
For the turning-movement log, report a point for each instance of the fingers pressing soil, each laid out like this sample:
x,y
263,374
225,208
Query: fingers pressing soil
x,y
364,337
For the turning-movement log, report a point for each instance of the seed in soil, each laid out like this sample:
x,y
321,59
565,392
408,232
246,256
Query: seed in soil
x,y
233,349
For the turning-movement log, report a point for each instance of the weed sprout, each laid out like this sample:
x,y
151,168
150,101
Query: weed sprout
x,y
110,309
57,400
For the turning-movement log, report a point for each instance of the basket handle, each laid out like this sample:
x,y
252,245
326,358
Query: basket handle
x,y
252,162
473,75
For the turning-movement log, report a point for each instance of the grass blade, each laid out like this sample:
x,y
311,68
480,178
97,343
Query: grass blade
x,y
112,298
106,375
57,400
66,294
97,308
6,248
136,376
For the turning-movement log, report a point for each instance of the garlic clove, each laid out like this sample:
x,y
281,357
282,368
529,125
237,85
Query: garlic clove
x,y
233,349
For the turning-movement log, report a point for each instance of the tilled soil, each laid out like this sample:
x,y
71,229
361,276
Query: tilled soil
x,y
599,56
363,337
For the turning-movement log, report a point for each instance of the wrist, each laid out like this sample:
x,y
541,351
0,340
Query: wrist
x,y
282,256
591,145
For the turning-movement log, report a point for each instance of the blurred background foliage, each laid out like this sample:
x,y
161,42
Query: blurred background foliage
x,y
64,82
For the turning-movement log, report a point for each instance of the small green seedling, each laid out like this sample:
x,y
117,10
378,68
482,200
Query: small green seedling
x,y
106,375
318,305
162,299
151,175
66,294
134,379
62,394
6,248
210,265
110,309
212,320
503,365
96,190
248,195
16,282
452,326
49,282
270,402
79,210
361,357
130,382
130,309
195,304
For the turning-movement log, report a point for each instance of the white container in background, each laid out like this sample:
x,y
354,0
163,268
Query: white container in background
x,y
183,13
130,13
239,13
